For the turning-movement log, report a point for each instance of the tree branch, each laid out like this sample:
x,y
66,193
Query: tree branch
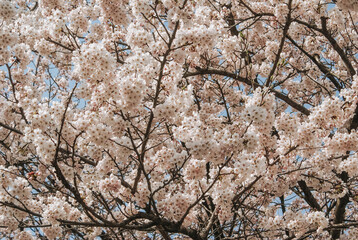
x,y
279,95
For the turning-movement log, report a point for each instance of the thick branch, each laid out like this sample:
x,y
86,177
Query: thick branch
x,y
11,128
336,47
309,198
282,43
279,95
340,210
332,41
321,67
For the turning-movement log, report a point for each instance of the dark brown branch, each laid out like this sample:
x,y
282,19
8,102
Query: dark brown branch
x,y
340,210
336,47
224,102
60,175
333,226
248,187
279,95
282,43
126,224
309,198
339,214
180,222
14,92
11,128
321,67
333,42
12,205
60,44
231,22
84,159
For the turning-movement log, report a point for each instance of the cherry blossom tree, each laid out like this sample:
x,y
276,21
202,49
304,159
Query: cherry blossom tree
x,y
178,119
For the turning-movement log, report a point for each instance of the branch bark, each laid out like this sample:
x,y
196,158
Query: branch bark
x,y
309,198
279,95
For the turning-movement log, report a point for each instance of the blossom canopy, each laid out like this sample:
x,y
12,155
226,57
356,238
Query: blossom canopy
x,y
178,119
